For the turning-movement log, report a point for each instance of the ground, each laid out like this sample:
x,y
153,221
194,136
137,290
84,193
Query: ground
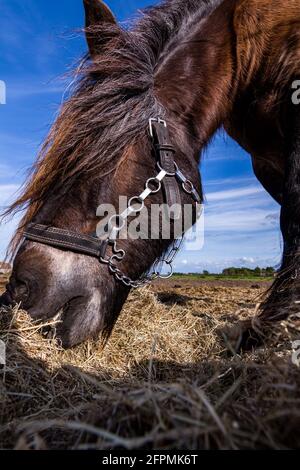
x,y
168,377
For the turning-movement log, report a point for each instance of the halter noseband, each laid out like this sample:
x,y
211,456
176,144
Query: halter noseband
x,y
167,179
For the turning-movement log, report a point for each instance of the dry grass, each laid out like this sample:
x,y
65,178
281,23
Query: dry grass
x,y
165,380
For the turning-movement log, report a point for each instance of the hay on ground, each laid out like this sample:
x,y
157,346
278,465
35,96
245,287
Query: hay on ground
x,y
165,380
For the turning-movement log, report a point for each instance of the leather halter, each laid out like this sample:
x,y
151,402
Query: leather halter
x,y
65,239
168,178
160,134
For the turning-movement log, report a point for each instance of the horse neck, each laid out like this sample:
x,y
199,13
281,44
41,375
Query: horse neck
x,y
195,83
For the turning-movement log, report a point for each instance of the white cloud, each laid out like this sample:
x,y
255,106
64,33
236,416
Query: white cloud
x,y
231,181
238,220
233,193
241,229
247,260
242,209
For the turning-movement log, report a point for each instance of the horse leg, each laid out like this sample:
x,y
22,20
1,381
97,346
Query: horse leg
x,y
284,296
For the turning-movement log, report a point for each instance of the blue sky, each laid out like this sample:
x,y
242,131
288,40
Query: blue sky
x,y
38,45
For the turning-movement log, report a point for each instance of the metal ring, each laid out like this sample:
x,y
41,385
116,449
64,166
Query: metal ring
x,y
188,186
170,274
155,181
132,201
167,172
116,226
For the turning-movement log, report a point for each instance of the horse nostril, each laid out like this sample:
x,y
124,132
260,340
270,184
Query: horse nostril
x,y
21,291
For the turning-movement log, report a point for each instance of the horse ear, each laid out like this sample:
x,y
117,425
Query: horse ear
x,y
96,12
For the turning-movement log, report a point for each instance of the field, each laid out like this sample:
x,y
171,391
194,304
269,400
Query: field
x,y
168,378
221,277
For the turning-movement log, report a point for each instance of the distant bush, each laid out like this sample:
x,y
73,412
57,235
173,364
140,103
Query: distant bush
x,y
236,272
260,272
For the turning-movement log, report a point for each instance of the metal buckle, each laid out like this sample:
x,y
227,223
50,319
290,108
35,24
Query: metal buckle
x,y
159,121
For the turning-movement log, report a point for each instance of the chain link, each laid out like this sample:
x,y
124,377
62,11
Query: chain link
x,y
152,186
155,274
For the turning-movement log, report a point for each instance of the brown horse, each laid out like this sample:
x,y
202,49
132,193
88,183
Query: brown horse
x,y
198,64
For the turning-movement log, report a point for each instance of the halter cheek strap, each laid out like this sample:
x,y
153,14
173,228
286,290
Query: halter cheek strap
x,y
165,152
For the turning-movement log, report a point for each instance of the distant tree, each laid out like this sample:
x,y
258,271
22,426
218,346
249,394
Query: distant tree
x,y
270,271
205,272
230,271
244,271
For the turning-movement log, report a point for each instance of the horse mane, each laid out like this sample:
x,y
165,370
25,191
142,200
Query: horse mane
x,y
111,103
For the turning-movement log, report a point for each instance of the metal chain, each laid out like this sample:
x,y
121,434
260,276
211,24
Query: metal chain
x,y
118,255
155,274
135,206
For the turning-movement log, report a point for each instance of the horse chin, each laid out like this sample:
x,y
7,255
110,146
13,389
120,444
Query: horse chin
x,y
74,289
